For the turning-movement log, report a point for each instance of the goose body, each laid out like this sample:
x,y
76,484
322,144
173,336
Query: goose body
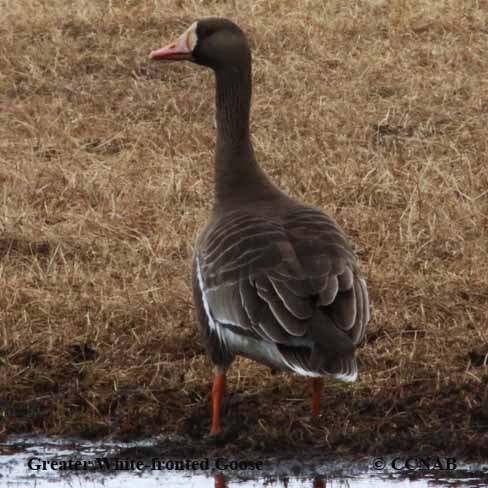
x,y
265,289
274,280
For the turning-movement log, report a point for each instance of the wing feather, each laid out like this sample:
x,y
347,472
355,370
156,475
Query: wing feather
x,y
345,279
328,295
344,308
285,318
300,308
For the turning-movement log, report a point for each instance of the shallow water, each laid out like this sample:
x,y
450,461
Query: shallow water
x,y
22,460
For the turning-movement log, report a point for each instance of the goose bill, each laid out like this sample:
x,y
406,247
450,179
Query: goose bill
x,y
176,51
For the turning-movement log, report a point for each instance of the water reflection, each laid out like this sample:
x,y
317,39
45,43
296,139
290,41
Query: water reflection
x,y
220,481
306,472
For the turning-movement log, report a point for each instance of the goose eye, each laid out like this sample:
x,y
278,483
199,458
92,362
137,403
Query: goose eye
x,y
204,31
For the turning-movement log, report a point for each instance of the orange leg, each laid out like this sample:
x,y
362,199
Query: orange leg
x,y
217,392
220,481
318,482
317,384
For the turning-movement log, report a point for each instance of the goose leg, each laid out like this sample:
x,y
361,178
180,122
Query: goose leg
x,y
316,384
220,481
217,392
318,482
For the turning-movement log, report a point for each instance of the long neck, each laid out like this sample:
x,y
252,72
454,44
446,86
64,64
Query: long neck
x,y
236,169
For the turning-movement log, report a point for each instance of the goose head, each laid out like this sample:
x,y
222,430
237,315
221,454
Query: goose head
x,y
214,42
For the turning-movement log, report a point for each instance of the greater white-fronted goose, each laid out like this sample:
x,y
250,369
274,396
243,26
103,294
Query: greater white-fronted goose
x,y
274,280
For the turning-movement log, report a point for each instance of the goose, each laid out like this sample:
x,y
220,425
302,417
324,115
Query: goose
x,y
273,279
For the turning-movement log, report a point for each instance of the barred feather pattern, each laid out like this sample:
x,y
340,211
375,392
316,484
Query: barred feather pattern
x,y
282,289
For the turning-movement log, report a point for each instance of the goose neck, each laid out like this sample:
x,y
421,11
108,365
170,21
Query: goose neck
x,y
236,169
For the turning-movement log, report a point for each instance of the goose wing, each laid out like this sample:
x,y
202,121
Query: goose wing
x,y
270,277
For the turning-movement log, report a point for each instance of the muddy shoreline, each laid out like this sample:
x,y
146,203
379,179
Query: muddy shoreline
x,y
180,448
407,419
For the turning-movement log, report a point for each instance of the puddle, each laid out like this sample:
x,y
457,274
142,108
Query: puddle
x,y
50,462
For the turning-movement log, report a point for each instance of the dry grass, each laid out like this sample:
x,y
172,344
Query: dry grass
x,y
376,111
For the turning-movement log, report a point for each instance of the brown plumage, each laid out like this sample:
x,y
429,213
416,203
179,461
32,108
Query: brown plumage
x,y
273,279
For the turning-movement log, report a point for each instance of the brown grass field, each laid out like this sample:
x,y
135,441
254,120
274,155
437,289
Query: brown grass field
x,y
374,110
